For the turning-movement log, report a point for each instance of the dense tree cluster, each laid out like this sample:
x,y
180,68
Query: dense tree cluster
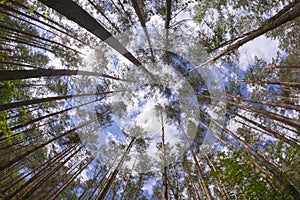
x,y
60,104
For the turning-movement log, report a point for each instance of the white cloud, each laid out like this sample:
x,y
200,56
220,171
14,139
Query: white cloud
x,y
262,47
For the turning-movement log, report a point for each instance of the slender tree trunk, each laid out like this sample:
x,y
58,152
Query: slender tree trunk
x,y
36,172
61,29
201,177
283,119
26,74
100,183
290,84
143,24
103,14
167,27
218,181
47,99
31,36
282,67
128,179
28,152
55,195
277,104
93,182
139,184
127,14
274,134
165,187
196,193
49,115
176,193
113,175
288,13
43,178
270,166
74,12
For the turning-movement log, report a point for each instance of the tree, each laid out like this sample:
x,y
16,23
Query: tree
x,y
57,117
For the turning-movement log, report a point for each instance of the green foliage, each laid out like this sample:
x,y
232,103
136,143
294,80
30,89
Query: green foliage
x,y
241,179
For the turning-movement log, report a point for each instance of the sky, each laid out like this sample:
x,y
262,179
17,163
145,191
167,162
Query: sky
x,y
142,113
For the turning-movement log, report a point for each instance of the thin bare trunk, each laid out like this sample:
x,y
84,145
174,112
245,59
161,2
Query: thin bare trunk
x,y
113,175
74,12
281,66
47,99
267,82
43,178
27,74
128,179
28,152
201,177
94,4
143,24
288,13
165,187
55,195
139,184
270,166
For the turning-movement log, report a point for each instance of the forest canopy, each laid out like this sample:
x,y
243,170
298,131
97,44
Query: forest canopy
x,y
149,99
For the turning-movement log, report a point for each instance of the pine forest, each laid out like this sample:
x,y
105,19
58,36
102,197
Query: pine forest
x,y
149,99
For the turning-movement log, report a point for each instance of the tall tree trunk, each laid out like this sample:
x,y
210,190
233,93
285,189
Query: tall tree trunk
x,y
288,13
282,67
176,193
103,14
165,188
201,177
113,175
274,134
47,99
55,195
196,193
26,74
28,152
61,29
267,82
74,12
276,104
49,115
31,36
92,182
270,166
128,179
40,175
37,172
143,24
139,184
127,14
277,117
218,181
